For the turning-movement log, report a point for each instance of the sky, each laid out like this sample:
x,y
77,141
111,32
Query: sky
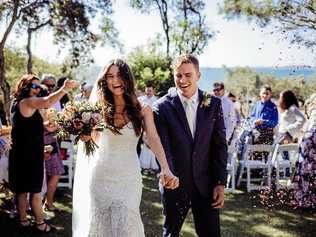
x,y
237,42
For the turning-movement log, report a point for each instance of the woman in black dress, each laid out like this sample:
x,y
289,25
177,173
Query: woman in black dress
x,y
26,164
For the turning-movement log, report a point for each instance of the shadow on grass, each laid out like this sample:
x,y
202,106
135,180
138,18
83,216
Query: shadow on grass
x,y
243,216
151,211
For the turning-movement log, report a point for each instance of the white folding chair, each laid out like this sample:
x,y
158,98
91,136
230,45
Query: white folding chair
x,y
281,164
231,169
249,164
67,178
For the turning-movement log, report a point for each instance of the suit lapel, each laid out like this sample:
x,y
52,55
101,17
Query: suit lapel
x,y
177,105
199,118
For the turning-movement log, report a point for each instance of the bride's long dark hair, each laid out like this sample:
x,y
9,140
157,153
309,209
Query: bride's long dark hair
x,y
132,106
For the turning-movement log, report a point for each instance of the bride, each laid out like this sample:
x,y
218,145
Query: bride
x,y
108,185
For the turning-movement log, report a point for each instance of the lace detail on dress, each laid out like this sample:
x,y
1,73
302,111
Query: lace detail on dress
x,y
116,221
114,189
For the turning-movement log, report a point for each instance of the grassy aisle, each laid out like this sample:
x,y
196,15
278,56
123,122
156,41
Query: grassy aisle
x,y
242,216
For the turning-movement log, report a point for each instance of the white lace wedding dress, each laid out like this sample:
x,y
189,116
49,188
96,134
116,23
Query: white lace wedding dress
x,y
108,187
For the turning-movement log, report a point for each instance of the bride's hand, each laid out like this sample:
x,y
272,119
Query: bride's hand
x,y
168,180
85,138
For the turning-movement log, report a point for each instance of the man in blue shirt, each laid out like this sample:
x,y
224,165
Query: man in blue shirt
x,y
265,112
264,117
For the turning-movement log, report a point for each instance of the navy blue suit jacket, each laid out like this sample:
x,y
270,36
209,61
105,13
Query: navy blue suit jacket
x,y
199,161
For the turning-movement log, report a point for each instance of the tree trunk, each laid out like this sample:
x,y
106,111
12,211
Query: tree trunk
x,y
29,52
5,87
163,11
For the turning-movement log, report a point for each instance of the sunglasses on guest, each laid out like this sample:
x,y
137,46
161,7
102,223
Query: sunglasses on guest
x,y
217,89
50,86
35,86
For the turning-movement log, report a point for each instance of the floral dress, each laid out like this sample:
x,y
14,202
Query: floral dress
x,y
305,173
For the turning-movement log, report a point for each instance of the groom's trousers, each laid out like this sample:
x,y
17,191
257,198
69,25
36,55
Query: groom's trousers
x,y
177,203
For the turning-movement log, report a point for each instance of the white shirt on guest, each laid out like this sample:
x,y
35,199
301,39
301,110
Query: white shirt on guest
x,y
229,113
195,101
292,121
149,101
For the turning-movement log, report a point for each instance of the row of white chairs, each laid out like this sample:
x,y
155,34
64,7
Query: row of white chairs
x,y
247,164
66,180
273,159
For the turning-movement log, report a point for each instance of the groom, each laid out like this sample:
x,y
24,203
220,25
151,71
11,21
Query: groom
x,y
191,128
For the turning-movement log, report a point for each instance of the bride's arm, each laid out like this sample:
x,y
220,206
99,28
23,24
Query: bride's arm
x,y
156,146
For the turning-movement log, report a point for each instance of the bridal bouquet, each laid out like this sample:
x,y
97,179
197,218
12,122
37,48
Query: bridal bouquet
x,y
78,119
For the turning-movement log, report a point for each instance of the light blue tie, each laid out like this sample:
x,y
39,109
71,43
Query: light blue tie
x,y
189,112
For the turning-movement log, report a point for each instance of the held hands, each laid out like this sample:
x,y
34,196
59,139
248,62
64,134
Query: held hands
x,y
218,196
168,180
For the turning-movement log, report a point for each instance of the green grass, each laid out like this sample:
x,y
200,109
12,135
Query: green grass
x,y
242,216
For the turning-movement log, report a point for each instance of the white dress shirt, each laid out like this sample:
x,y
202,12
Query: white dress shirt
x,y
229,113
195,103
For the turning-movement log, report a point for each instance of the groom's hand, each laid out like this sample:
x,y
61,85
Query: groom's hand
x,y
218,196
168,180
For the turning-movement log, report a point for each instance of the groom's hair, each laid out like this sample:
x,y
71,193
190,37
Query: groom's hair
x,y
186,58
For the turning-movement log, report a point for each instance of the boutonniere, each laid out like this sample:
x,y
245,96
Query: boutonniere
x,y
206,100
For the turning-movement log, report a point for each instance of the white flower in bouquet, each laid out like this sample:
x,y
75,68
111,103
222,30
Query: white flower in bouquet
x,y
86,116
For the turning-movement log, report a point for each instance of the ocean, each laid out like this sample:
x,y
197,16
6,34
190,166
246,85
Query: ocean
x,y
211,75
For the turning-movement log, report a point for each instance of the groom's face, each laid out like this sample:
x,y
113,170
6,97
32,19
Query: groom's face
x,y
185,78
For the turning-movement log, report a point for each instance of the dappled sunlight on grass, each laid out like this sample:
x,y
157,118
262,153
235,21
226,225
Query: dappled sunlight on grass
x,y
229,218
150,189
62,207
242,216
271,232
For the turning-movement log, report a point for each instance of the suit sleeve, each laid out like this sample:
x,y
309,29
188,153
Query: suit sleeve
x,y
219,147
162,129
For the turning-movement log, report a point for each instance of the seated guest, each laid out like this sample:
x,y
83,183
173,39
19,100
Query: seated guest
x,y
291,118
305,169
264,117
291,122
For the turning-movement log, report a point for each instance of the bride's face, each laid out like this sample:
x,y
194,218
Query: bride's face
x,y
114,81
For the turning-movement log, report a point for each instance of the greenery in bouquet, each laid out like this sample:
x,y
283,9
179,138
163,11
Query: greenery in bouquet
x,y
80,118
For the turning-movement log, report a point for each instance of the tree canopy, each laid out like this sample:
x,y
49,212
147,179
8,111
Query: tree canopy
x,y
151,66
296,19
183,23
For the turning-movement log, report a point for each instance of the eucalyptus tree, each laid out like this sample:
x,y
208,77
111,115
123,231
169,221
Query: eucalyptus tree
x,y
295,19
70,22
183,23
